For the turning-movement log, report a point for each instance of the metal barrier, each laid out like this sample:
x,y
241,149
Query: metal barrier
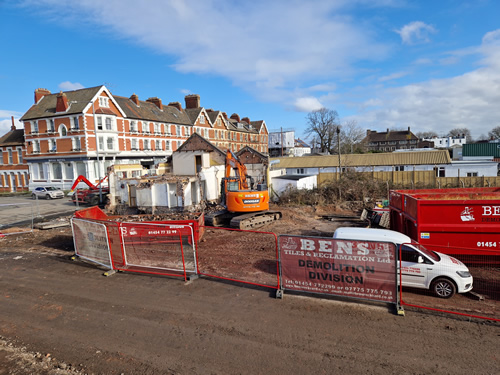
x,y
13,220
249,257
157,249
356,269
91,241
483,301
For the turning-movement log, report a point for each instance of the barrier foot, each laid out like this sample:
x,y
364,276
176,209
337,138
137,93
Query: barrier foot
x,y
478,296
193,277
400,311
279,293
109,273
73,257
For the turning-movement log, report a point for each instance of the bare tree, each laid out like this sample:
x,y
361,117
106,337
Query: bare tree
x,y
427,135
351,136
322,125
459,132
494,133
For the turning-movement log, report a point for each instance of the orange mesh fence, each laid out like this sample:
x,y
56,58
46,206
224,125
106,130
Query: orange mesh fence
x,y
237,255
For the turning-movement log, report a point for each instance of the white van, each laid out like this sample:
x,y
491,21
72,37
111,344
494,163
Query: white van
x,y
420,268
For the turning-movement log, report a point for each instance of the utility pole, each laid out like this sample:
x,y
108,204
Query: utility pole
x,y
338,146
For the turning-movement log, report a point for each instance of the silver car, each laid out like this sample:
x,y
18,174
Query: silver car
x,y
47,192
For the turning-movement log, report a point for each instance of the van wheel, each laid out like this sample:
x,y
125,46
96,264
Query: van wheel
x,y
443,288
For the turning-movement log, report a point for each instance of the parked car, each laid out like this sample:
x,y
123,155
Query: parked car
x,y
47,192
420,268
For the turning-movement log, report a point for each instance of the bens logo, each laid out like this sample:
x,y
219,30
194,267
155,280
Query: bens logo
x,y
467,215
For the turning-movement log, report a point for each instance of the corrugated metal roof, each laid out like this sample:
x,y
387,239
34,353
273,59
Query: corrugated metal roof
x,y
365,160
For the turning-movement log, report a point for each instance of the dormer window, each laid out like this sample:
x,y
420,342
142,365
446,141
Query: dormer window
x,y
202,119
103,102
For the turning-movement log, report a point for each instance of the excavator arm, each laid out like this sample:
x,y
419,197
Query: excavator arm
x,y
233,164
83,179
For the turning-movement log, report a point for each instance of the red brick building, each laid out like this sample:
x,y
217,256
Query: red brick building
x,y
14,174
82,132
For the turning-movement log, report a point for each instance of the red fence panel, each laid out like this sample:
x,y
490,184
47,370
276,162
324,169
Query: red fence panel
x,y
483,301
238,255
157,248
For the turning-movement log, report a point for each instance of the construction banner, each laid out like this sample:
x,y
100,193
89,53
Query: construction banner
x,y
360,269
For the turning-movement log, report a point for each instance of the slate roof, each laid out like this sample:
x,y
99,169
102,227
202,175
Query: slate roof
x,y
365,160
13,138
399,135
46,107
193,113
149,111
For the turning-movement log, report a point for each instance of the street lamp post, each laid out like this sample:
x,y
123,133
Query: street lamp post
x,y
97,154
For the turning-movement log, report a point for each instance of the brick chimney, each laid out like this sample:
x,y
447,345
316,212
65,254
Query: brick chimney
x,y
246,119
62,102
40,93
176,105
192,101
225,115
156,101
236,117
13,127
135,99
368,132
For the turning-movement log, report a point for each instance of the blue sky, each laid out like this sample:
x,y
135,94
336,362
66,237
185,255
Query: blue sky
x,y
431,65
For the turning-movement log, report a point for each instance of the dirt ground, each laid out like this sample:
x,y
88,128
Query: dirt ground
x,y
59,316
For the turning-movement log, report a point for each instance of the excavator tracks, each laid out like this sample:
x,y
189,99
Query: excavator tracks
x,y
254,219
241,221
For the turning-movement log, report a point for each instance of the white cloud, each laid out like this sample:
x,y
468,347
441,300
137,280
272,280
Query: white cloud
x,y
185,91
262,46
6,121
415,32
308,104
392,76
70,86
469,100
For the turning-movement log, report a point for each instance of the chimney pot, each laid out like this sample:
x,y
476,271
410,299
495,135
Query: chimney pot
x,y
156,101
135,99
40,93
13,127
192,101
62,102
176,105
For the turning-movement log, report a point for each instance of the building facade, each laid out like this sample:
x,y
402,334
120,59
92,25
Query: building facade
x,y
390,140
447,142
14,175
83,132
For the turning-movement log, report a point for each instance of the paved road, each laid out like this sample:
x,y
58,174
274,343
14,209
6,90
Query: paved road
x,y
19,210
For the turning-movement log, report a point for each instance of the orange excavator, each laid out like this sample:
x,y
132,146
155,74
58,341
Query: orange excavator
x,y
93,196
246,207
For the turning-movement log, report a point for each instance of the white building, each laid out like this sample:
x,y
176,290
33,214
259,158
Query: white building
x,y
447,142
